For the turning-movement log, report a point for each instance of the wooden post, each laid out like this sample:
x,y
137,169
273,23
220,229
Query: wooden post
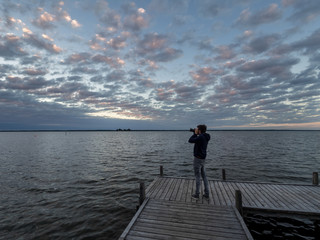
x,y
142,193
161,171
315,179
223,174
239,201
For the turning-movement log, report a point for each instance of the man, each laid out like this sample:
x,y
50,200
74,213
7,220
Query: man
x,y
200,139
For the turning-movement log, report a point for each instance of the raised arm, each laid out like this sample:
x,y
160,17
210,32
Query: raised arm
x,y
194,138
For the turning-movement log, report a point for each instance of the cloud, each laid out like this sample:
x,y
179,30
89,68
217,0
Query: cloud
x,y
225,52
303,11
83,70
64,15
88,58
205,44
235,63
142,81
45,21
116,76
206,75
152,42
114,62
107,16
155,47
135,23
276,67
82,58
137,18
26,83
117,42
75,23
309,45
261,44
210,8
46,37
267,15
41,43
34,72
168,54
169,93
11,46
159,7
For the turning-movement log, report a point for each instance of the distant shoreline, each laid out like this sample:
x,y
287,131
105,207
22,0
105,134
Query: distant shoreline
x,y
151,130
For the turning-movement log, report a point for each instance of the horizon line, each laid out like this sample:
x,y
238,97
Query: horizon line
x,y
141,130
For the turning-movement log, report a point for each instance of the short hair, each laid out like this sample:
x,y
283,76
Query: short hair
x,y
202,128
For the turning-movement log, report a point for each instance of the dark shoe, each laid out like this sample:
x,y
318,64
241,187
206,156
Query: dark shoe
x,y
206,196
195,196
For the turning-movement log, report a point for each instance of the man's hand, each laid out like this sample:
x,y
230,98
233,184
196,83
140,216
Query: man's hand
x,y
196,131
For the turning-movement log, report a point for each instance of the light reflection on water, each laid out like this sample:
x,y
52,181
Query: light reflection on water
x,y
85,184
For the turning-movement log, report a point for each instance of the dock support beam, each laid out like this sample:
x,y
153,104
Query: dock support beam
x,y
161,171
239,201
315,179
142,193
223,174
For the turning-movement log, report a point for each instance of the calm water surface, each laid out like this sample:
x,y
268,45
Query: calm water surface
x,y
84,185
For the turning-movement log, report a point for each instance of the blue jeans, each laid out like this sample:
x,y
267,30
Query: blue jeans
x,y
199,170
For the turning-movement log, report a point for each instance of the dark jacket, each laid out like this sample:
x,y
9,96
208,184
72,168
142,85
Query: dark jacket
x,y
200,145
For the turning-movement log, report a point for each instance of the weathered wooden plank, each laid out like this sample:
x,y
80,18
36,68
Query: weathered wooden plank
x,y
166,190
147,236
312,191
187,233
152,187
193,190
188,205
228,200
230,191
162,187
222,200
244,226
258,194
214,194
175,189
280,197
158,187
189,192
211,199
302,199
181,186
185,190
133,220
188,214
248,197
131,237
293,198
219,228
267,194
273,201
191,221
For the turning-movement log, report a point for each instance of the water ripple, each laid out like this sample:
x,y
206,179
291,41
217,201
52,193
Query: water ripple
x,y
85,185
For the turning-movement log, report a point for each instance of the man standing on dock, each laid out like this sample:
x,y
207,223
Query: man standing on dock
x,y
200,139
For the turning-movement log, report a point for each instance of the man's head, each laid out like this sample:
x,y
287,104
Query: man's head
x,y
202,128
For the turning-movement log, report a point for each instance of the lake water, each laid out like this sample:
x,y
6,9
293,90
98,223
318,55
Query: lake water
x,y
85,185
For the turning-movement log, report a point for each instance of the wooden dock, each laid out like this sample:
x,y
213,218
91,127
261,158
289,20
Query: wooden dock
x,y
161,219
169,212
290,198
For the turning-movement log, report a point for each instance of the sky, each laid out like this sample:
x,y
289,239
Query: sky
x,y
159,64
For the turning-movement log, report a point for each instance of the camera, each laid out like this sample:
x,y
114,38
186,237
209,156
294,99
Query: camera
x,y
192,130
